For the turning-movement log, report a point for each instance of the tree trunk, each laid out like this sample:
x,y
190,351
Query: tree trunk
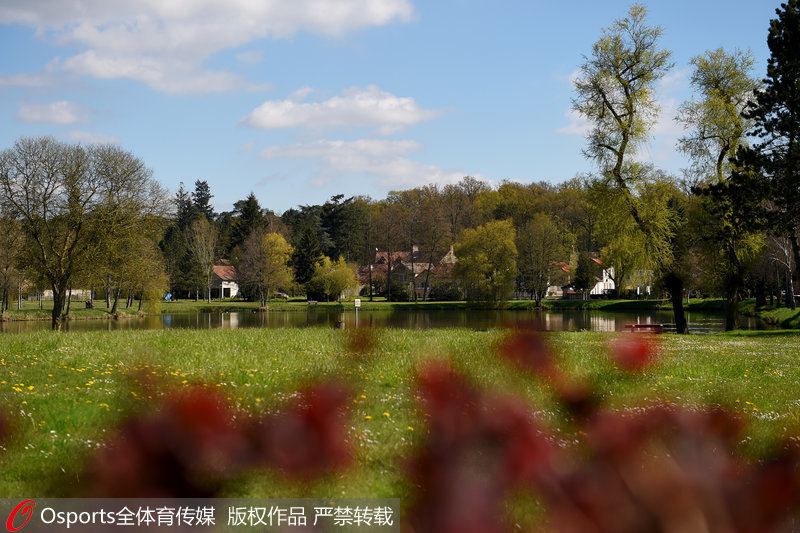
x,y
116,301
789,290
69,299
389,276
108,293
761,292
141,299
733,288
674,284
796,270
57,318
732,309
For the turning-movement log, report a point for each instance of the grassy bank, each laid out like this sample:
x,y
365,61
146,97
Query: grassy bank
x,y
68,391
781,317
78,311
31,311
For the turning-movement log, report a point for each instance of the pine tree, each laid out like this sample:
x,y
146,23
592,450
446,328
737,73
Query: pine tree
x,y
770,169
307,253
201,199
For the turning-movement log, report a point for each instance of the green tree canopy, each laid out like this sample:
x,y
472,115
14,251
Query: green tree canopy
x,y
331,279
487,260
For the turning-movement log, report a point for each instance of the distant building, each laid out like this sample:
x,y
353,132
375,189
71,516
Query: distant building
x,y
603,287
225,282
411,268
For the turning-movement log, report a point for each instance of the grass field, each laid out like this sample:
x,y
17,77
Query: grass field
x,y
68,391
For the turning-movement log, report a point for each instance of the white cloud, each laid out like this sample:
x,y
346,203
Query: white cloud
x,y
163,74
381,159
146,40
60,112
27,80
88,137
356,107
251,56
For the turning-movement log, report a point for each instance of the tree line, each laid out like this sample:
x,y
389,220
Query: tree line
x,y
727,226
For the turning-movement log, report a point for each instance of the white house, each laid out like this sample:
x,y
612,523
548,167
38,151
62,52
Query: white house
x,y
605,285
224,284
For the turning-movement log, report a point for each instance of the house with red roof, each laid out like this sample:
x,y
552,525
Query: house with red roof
x,y
225,282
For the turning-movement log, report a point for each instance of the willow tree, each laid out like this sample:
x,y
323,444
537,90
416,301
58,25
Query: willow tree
x,y
716,128
615,92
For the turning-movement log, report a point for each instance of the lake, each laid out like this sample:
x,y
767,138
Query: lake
x,y
569,320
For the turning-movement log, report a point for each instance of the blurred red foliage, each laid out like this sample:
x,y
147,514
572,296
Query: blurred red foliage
x,y
659,468
194,442
634,351
307,439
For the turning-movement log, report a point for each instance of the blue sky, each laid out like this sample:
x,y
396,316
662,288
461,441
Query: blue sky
x,y
298,101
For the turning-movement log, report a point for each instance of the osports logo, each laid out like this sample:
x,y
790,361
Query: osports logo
x,y
26,508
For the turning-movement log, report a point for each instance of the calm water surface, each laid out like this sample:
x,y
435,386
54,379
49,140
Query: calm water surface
x,y
574,320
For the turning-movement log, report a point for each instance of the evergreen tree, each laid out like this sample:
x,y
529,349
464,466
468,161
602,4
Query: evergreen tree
x,y
307,252
201,199
770,169
183,207
248,216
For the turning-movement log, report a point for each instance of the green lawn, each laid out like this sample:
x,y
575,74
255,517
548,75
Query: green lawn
x,y
67,391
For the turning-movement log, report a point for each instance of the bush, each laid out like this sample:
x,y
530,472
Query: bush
x,y
446,291
400,292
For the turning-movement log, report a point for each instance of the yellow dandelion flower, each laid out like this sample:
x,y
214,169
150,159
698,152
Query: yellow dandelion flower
x,y
386,415
367,417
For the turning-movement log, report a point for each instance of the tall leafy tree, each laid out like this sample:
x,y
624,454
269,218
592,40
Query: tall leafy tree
x,y
201,239
11,242
126,217
487,260
331,279
616,93
51,188
715,130
770,168
275,272
389,218
539,244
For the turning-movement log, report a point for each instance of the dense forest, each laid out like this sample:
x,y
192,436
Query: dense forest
x,y
93,216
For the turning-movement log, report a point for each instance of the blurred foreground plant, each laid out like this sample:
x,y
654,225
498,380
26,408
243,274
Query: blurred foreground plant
x,y
194,442
659,468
